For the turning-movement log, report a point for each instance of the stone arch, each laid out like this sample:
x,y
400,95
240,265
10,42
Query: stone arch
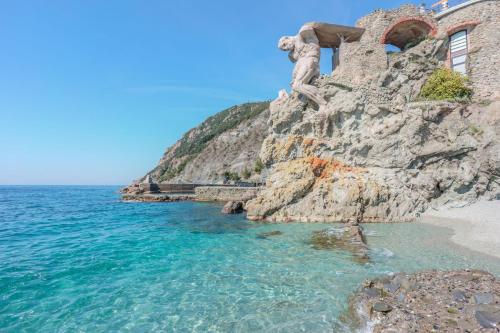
x,y
408,29
465,25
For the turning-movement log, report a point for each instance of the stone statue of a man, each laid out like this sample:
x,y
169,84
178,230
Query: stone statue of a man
x,y
304,51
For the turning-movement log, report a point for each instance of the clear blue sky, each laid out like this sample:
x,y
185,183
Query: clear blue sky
x,y
93,91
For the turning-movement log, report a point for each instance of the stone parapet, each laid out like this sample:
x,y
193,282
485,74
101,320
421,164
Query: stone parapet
x,y
224,193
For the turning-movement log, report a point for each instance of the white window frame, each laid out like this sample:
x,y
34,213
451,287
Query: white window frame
x,y
459,49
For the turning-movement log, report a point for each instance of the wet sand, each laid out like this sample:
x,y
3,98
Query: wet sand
x,y
476,227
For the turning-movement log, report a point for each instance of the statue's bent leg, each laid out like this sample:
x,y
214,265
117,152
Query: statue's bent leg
x,y
310,92
305,71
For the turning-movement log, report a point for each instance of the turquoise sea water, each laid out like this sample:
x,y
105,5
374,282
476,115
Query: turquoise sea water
x,y
76,259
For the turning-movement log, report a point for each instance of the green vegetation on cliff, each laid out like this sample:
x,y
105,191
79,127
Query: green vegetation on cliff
x,y
218,124
197,139
445,84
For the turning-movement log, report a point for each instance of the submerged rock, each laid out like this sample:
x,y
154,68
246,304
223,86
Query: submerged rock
x,y
349,238
427,302
264,235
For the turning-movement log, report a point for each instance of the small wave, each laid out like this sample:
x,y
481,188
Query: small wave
x,y
383,252
371,233
368,324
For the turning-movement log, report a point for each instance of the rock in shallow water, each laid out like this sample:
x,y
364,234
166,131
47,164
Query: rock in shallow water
x,y
264,235
349,238
233,207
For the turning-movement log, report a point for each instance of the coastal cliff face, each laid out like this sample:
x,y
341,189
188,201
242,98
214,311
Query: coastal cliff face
x,y
376,153
228,142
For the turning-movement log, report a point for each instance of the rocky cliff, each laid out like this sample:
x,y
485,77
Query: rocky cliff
x,y
224,146
376,153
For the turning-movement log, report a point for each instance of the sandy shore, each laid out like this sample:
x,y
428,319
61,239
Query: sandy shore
x,y
476,227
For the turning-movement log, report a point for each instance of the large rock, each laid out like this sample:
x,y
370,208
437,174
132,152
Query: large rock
x,y
426,302
233,207
348,238
375,153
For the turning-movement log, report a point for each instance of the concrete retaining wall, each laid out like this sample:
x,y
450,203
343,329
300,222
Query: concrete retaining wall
x,y
221,193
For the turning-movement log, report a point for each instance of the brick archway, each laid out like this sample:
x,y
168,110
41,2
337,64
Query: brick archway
x,y
465,25
408,29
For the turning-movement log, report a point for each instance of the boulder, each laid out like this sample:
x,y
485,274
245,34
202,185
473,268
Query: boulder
x,y
233,207
349,238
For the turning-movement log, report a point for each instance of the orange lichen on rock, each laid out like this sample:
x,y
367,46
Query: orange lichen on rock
x,y
323,168
308,141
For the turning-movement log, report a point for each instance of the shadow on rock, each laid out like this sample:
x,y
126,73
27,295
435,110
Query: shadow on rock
x,y
349,238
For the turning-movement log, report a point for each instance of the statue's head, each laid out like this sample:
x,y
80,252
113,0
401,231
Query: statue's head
x,y
286,43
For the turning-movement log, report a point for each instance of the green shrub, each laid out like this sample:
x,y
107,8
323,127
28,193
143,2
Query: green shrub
x,y
259,166
246,173
445,84
229,175
167,174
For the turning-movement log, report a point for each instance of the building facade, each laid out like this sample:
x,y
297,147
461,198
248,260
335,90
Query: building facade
x,y
471,31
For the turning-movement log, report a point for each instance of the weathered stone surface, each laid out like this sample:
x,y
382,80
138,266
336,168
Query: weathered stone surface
x,y
373,292
375,153
225,193
488,319
233,207
459,296
431,305
483,38
349,238
392,287
139,197
483,298
132,189
382,307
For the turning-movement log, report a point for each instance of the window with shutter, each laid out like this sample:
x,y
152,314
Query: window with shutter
x,y
458,51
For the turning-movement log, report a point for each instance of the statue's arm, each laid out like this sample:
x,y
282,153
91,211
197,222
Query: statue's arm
x,y
306,31
308,35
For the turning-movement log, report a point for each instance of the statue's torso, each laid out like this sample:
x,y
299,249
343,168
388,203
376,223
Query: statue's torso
x,y
305,50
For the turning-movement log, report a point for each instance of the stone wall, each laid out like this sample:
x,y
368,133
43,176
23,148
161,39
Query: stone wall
x,y
366,60
484,41
363,61
222,193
